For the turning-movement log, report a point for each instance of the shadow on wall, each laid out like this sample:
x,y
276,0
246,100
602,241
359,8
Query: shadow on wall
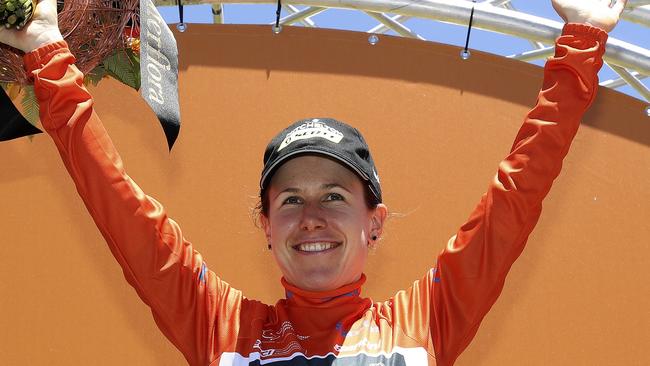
x,y
337,52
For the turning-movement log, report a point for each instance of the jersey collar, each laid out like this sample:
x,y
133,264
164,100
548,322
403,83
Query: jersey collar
x,y
348,293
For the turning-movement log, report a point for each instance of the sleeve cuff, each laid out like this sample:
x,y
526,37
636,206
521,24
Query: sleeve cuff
x,y
39,57
587,31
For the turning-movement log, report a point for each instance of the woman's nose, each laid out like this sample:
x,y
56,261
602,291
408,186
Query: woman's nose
x,y
313,217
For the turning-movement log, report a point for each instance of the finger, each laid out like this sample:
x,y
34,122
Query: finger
x,y
619,6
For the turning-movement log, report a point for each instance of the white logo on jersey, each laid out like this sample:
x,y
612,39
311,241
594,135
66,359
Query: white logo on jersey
x,y
311,129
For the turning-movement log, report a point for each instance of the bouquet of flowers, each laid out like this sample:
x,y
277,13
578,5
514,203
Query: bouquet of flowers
x,y
104,36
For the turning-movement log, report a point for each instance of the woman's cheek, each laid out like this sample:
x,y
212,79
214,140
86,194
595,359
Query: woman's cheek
x,y
286,220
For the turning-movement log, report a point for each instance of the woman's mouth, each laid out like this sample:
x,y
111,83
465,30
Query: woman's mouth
x,y
315,247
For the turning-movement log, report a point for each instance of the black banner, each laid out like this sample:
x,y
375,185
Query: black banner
x,y
12,124
159,69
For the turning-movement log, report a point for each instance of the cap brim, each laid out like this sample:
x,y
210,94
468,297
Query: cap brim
x,y
271,169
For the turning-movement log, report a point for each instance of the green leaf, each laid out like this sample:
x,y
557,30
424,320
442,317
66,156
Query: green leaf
x,y
135,61
30,105
120,66
95,75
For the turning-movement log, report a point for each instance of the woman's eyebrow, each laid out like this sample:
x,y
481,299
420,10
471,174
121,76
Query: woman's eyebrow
x,y
325,186
286,190
334,185
290,190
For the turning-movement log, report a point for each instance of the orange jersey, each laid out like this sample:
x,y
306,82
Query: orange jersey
x,y
211,323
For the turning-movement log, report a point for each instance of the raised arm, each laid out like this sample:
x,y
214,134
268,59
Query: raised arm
x,y
168,274
470,272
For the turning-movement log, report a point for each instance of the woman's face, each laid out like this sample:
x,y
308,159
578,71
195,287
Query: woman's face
x,y
319,224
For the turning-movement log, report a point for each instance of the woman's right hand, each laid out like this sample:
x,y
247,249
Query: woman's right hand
x,y
41,30
600,13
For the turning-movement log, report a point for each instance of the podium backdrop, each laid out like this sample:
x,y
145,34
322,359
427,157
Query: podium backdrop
x,y
438,126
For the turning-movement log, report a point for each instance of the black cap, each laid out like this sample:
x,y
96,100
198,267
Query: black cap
x,y
322,136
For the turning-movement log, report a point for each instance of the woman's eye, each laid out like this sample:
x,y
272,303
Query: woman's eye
x,y
334,197
291,200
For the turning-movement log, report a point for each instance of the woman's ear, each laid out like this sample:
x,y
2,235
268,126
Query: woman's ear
x,y
378,218
266,226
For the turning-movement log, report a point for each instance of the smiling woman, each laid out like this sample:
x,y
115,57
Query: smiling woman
x,y
319,225
322,211
319,221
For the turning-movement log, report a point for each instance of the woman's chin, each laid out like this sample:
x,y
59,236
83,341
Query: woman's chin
x,y
319,280
323,280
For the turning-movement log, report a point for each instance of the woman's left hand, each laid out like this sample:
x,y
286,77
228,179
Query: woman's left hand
x,y
599,13
41,30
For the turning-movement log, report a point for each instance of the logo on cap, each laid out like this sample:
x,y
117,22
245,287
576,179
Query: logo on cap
x,y
309,130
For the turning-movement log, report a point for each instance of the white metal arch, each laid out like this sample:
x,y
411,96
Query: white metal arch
x,y
630,61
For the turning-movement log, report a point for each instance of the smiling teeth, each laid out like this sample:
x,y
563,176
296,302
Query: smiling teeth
x,y
315,247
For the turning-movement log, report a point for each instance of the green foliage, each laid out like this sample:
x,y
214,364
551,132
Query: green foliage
x,y
30,105
135,60
95,76
15,13
124,66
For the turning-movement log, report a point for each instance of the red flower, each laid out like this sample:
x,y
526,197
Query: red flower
x,y
131,32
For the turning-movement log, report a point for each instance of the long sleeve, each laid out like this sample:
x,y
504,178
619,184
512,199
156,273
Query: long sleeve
x,y
187,300
445,308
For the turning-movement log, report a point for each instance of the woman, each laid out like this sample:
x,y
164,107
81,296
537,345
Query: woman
x,y
321,210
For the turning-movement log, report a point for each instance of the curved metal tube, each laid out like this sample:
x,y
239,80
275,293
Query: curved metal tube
x,y
486,17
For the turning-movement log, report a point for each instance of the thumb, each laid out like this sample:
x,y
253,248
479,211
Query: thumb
x,y
619,6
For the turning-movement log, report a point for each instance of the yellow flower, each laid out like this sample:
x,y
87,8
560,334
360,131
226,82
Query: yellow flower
x,y
134,44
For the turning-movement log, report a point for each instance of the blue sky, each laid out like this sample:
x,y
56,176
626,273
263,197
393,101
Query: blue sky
x,y
434,31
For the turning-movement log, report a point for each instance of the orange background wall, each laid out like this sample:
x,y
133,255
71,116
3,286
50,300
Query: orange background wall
x,y
438,126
